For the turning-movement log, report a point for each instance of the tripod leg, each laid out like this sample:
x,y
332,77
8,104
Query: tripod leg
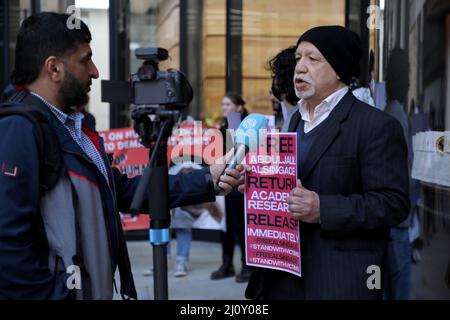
x,y
160,272
159,238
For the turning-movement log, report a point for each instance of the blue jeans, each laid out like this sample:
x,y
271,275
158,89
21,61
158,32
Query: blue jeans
x,y
397,280
184,240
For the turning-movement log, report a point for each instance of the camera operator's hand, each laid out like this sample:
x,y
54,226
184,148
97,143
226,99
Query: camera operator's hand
x,y
241,187
231,179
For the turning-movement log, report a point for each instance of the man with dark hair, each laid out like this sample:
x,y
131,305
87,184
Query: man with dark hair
x,y
282,67
45,235
353,178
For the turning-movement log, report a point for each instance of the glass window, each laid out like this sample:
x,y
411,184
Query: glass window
x,y
97,19
155,23
422,31
15,12
60,6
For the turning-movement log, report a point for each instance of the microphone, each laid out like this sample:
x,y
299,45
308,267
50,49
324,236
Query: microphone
x,y
246,139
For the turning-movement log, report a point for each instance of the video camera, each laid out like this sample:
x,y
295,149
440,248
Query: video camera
x,y
150,86
158,98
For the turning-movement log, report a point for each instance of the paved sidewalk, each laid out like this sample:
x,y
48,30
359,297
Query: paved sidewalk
x,y
205,257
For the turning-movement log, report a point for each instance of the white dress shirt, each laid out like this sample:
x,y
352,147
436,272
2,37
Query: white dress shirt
x,y
322,111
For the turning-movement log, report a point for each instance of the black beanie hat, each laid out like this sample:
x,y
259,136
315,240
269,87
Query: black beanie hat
x,y
340,46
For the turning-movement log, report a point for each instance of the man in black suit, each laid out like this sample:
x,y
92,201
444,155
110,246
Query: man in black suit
x,y
353,178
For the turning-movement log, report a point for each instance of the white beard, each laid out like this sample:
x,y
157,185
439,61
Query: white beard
x,y
308,93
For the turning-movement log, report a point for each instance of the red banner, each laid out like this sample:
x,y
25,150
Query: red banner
x,y
131,158
189,141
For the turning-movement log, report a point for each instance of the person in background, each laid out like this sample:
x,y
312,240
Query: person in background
x,y
282,68
234,205
364,90
398,266
183,219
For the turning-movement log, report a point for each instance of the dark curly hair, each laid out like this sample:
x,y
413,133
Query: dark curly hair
x,y
397,76
282,67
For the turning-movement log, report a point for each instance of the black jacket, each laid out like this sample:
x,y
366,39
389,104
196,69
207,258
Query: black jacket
x,y
358,166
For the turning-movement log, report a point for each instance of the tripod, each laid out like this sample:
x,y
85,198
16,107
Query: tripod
x,y
154,126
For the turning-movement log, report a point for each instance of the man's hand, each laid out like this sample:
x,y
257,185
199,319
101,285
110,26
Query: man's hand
x,y
304,205
228,181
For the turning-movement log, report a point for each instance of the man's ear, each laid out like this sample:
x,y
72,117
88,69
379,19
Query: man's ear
x,y
54,68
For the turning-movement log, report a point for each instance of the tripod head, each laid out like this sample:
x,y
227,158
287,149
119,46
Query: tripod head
x,y
148,121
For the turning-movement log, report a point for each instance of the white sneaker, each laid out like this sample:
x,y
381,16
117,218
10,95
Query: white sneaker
x,y
181,269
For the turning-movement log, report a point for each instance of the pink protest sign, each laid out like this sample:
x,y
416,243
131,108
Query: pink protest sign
x,y
272,235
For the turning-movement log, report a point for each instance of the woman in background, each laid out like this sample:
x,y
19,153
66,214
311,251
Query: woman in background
x,y
234,203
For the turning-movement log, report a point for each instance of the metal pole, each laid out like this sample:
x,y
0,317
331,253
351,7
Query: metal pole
x,y
35,6
234,46
114,57
154,185
6,49
159,225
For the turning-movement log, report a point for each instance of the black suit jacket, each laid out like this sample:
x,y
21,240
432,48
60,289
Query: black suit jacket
x,y
358,167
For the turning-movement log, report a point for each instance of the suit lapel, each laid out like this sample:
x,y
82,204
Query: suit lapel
x,y
329,132
295,119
